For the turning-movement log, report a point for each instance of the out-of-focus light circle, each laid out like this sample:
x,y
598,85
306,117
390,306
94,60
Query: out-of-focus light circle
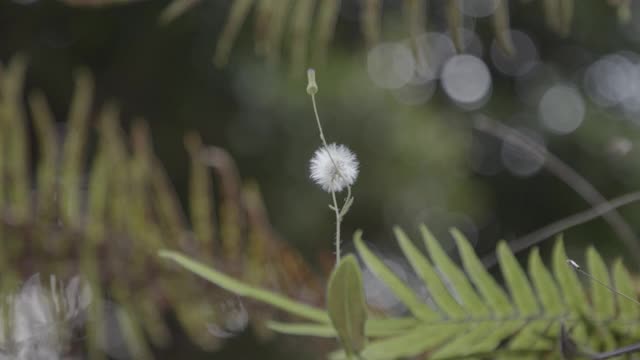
x,y
619,146
517,159
594,75
561,109
390,65
631,103
631,56
524,56
466,79
618,84
613,80
477,8
433,50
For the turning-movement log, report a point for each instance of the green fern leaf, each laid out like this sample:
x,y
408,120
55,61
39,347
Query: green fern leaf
x,y
374,327
602,299
525,300
570,286
603,302
525,332
133,334
517,282
303,329
487,286
411,343
437,289
405,294
626,308
550,302
242,289
545,285
452,274
389,325
464,325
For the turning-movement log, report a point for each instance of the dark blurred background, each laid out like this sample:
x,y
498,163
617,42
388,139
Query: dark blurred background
x,y
412,126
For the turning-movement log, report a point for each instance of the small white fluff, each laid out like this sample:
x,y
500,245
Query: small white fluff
x,y
334,167
573,264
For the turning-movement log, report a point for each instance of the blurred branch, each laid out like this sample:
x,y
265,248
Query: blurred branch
x,y
175,9
569,176
558,227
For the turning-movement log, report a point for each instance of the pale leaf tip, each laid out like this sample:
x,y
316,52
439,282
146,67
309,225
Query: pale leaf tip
x,y
167,254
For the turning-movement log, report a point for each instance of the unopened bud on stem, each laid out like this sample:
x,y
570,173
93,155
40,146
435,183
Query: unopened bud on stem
x,y
312,86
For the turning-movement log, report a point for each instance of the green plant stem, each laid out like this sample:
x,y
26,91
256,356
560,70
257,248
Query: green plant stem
x,y
315,111
338,212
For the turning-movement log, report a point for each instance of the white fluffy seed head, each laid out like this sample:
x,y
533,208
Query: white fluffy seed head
x,y
334,167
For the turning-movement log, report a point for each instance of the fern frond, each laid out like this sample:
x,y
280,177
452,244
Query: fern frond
x,y
524,322
471,315
241,289
273,16
106,213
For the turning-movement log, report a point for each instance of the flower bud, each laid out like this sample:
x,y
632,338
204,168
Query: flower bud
x,y
312,86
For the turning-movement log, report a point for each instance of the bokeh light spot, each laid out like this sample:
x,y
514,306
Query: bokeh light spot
x,y
434,49
561,109
466,80
524,56
611,80
390,65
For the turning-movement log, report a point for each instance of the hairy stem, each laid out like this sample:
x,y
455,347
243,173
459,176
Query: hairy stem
x,y
315,111
338,221
337,210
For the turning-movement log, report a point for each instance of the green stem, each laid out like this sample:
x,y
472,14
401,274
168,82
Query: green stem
x,y
337,210
315,111
338,221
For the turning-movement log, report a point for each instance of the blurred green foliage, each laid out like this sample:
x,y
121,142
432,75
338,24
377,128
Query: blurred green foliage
x,y
415,159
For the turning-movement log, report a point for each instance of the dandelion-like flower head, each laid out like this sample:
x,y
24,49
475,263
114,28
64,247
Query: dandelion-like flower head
x,y
334,167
